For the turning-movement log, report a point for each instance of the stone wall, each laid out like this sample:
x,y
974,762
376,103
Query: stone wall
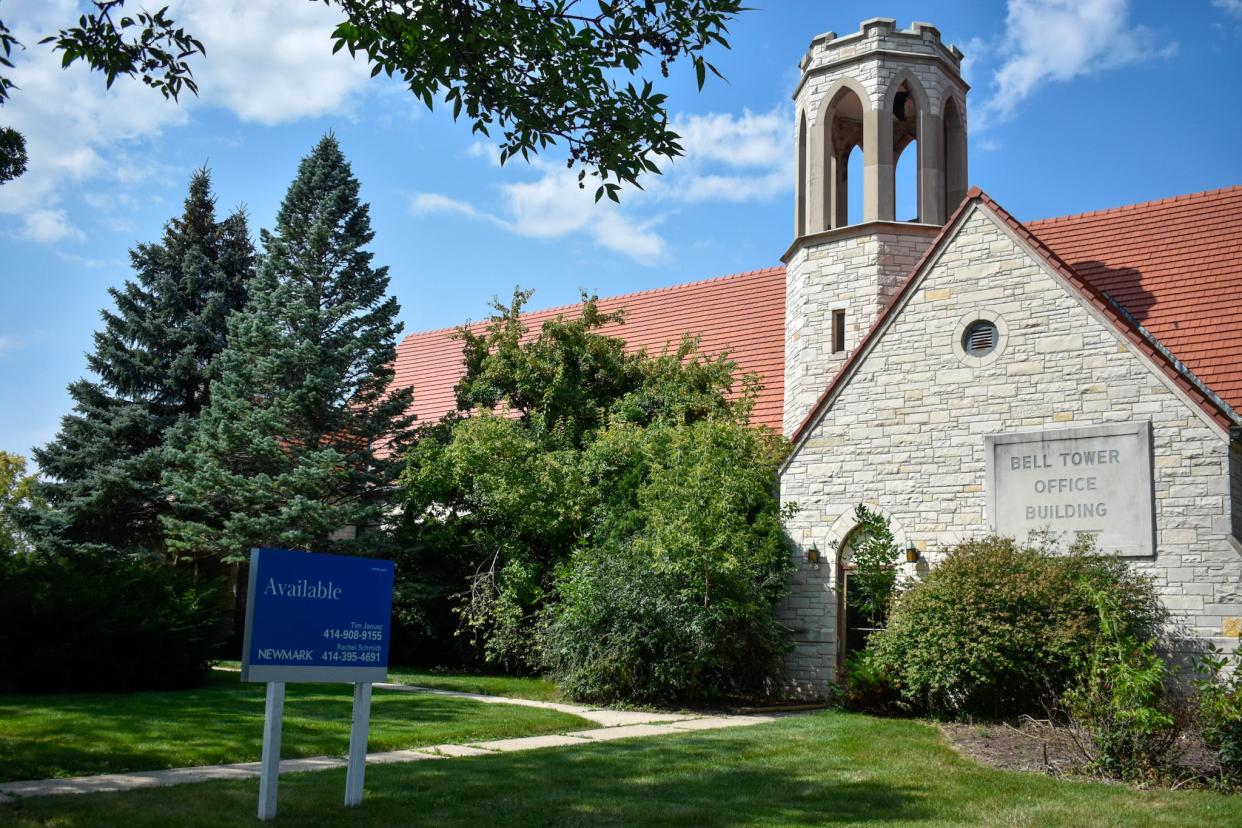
x,y
906,435
856,269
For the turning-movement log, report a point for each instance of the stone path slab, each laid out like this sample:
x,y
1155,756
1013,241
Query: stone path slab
x,y
451,751
634,731
716,722
530,743
615,724
603,716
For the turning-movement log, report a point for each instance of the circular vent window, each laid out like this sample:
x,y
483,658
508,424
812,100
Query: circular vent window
x,y
979,338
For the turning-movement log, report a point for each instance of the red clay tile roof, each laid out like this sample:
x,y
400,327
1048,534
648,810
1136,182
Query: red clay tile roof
x,y
1176,266
743,314
1124,323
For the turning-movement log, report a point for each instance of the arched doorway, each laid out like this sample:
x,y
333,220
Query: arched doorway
x,y
855,620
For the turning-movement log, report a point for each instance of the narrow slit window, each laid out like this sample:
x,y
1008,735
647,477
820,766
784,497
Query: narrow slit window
x,y
838,331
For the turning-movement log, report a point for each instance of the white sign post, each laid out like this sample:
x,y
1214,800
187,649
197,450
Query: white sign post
x,y
269,767
316,618
358,744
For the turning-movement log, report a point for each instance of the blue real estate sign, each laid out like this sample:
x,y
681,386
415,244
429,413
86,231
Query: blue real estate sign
x,y
314,617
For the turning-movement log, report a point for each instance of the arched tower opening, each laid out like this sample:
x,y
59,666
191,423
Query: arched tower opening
x,y
801,185
854,171
846,131
905,114
903,128
954,155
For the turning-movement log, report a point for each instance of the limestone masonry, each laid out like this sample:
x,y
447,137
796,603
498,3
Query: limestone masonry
x,y
960,372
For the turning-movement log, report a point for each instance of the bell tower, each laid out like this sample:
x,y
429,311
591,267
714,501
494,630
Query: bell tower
x,y
885,92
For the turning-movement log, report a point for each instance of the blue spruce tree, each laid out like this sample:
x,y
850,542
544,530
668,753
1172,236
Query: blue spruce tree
x,y
301,443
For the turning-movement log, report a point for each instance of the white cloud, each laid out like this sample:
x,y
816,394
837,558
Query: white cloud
x,y
553,206
70,122
482,149
748,140
8,345
1059,40
1229,6
49,226
266,62
976,49
271,62
736,158
422,204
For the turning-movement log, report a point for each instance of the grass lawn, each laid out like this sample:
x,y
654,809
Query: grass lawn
x,y
72,735
823,769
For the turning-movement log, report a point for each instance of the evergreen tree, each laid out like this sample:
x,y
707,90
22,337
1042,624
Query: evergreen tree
x,y
303,434
155,362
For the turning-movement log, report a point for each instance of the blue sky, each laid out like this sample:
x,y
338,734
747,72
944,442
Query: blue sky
x,y
1076,105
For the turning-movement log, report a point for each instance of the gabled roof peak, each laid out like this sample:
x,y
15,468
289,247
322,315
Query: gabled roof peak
x,y
1121,320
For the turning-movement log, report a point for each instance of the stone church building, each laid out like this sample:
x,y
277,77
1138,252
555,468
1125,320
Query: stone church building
x,y
964,372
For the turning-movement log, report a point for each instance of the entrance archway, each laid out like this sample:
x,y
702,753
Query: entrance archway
x,y
854,624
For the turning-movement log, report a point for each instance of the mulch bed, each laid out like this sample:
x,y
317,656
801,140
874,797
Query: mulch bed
x,y
1044,747
1025,745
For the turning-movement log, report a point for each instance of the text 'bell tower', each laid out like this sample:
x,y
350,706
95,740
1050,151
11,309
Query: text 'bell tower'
x,y
885,92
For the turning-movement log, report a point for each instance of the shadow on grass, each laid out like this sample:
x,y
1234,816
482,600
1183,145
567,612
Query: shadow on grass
x,y
825,769
693,781
685,783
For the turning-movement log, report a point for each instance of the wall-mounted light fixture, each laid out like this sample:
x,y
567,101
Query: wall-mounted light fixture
x,y
912,553
812,554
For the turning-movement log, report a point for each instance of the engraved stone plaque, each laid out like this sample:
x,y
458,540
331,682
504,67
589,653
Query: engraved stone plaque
x,y
1095,480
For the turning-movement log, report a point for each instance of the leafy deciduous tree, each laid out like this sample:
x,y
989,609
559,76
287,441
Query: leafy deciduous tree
x,y
672,591
17,496
498,503
544,72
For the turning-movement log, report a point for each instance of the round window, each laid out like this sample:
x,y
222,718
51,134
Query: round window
x,y
979,338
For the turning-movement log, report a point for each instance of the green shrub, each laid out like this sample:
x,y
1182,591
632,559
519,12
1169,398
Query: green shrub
x,y
1218,703
672,598
864,686
76,623
997,627
1118,701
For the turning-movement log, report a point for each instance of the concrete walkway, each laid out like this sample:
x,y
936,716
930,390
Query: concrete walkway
x,y
613,724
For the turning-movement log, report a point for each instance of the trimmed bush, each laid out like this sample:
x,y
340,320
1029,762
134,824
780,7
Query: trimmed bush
x,y
76,623
1001,628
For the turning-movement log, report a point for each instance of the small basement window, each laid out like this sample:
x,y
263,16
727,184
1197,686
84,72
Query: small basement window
x,y
980,338
838,331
